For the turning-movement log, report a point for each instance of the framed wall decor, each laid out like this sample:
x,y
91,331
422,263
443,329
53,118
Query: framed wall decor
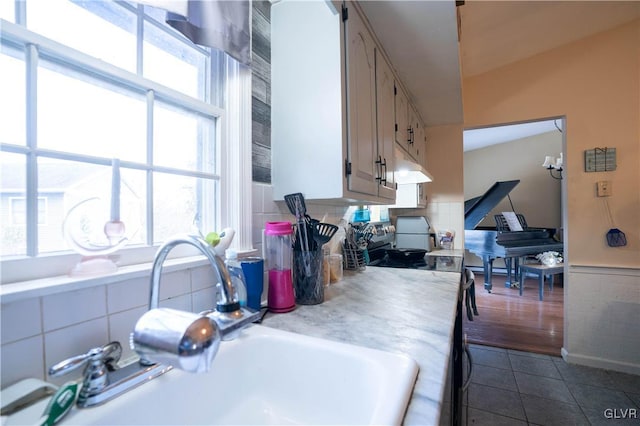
x,y
600,160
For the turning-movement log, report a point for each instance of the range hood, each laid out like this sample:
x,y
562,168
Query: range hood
x,y
408,171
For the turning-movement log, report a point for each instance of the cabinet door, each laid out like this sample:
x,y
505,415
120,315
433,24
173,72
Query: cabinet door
x,y
402,119
422,195
418,142
386,128
362,146
414,133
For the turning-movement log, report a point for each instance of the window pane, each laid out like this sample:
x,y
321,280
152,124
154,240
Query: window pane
x,y
12,186
177,201
98,28
12,97
67,185
88,117
7,10
183,140
173,63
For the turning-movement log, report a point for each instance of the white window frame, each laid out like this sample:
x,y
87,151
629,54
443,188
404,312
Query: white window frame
x,y
43,216
234,161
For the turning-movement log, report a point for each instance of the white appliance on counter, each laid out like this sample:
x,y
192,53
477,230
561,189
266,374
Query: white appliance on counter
x,y
413,232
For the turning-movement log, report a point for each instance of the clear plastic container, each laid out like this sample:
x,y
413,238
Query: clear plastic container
x,y
445,239
335,268
237,276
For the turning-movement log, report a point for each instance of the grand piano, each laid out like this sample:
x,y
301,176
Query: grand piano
x,y
489,243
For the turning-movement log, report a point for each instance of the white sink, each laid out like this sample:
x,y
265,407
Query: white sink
x,y
268,376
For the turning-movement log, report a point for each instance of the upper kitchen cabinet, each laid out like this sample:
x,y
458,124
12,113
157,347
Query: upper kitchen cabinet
x,y
403,124
324,112
386,128
419,141
409,131
362,169
414,133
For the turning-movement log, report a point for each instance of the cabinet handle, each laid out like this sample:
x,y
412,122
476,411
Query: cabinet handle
x,y
378,163
384,174
410,140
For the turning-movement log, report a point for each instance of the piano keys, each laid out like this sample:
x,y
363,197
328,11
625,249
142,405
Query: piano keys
x,y
489,244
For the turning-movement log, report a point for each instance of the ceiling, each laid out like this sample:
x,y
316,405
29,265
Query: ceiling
x,y
421,39
481,138
496,33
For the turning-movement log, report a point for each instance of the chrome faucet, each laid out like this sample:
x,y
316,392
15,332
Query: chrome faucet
x,y
185,340
163,338
228,301
103,379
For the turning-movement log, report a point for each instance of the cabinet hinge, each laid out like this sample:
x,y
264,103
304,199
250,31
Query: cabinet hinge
x,y
345,13
347,168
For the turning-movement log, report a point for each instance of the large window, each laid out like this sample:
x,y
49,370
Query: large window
x,y
87,82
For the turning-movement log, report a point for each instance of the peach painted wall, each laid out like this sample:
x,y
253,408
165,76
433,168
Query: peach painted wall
x,y
594,82
445,195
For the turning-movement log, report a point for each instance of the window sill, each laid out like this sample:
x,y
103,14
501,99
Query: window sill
x,y
21,290
48,286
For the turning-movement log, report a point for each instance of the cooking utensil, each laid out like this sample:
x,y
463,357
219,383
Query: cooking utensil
x,y
406,255
323,232
297,206
295,202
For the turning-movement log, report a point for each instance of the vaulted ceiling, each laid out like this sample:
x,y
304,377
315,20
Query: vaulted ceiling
x,y
421,39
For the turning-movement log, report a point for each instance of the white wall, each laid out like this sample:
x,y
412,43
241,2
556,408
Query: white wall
x,y
604,309
537,196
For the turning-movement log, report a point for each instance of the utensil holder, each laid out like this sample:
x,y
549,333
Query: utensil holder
x,y
308,283
353,257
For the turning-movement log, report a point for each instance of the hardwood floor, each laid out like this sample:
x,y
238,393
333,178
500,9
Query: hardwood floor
x,y
511,321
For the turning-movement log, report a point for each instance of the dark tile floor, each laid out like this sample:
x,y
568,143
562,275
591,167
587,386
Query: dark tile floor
x,y
510,387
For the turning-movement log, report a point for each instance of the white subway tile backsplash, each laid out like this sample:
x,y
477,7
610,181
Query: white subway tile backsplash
x,y
61,310
22,359
175,284
20,320
203,277
120,327
203,300
128,294
74,340
182,302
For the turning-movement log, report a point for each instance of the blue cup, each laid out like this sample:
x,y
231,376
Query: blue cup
x,y
253,269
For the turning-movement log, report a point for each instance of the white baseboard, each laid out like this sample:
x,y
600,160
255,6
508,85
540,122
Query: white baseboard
x,y
595,362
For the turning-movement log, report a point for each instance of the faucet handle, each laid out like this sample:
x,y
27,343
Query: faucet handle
x,y
108,355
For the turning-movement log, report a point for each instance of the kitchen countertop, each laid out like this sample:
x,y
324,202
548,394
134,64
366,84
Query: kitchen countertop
x,y
405,311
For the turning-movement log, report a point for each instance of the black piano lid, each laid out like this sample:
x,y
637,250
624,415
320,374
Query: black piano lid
x,y
477,208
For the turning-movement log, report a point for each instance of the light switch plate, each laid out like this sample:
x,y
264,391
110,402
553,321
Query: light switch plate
x,y
604,188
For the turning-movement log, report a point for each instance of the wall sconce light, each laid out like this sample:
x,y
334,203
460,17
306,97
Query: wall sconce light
x,y
552,164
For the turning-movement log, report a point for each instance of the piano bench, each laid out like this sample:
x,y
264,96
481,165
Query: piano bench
x,y
541,271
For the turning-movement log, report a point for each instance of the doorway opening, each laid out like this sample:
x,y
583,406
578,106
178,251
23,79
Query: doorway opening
x,y
516,152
